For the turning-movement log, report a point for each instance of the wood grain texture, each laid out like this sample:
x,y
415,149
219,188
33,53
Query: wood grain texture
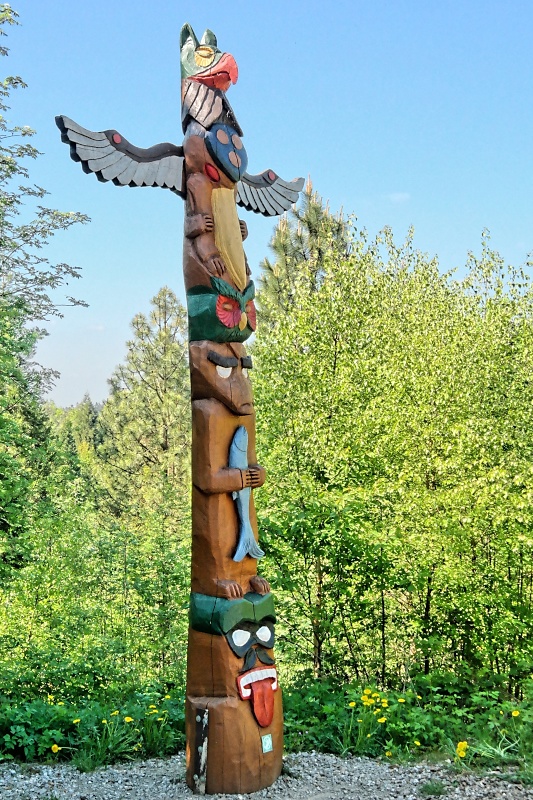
x,y
215,523
236,763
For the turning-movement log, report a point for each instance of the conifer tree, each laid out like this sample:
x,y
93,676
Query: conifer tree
x,y
302,241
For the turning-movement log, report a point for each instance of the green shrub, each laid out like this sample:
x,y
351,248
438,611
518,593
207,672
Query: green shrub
x,y
440,715
92,733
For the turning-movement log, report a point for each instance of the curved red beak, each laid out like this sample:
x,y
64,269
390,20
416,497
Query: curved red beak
x,y
221,75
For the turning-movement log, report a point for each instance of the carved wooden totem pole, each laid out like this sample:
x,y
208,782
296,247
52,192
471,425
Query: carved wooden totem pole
x,y
233,709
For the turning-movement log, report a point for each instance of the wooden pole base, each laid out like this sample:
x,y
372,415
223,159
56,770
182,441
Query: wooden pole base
x,y
231,754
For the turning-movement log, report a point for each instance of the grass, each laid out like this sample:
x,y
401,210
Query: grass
x,y
434,788
435,719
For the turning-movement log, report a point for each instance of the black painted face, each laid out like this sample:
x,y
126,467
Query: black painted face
x,y
245,635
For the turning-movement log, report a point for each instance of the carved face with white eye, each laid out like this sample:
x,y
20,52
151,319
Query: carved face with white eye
x,y
258,679
220,371
246,634
224,372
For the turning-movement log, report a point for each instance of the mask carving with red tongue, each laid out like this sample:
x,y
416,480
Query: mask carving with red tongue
x,y
258,686
248,626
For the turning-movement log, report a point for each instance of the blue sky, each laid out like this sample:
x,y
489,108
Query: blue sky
x,y
404,113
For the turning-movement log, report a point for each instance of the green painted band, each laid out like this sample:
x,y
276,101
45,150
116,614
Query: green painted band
x,y
204,324
217,616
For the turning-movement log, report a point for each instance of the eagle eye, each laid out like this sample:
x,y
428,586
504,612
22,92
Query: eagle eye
x,y
204,55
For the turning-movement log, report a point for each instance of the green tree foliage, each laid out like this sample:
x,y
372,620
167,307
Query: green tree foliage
x,y
94,512
25,274
143,466
102,603
24,445
145,421
393,407
27,281
307,240
78,433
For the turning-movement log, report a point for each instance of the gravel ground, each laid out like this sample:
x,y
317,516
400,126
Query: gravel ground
x,y
306,776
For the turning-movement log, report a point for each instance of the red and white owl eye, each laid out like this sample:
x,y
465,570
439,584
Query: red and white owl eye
x,y
250,313
228,311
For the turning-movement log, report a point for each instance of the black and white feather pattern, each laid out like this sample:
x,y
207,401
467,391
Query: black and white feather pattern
x,y
112,158
206,105
267,193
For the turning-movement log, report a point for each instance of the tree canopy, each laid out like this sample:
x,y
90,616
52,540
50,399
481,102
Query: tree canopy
x,y
393,405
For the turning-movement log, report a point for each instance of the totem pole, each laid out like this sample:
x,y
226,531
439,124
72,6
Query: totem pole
x,y
234,721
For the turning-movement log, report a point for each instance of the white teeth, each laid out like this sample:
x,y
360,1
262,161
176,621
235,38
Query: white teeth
x,y
244,681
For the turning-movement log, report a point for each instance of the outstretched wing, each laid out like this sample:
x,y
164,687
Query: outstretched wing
x,y
112,158
267,193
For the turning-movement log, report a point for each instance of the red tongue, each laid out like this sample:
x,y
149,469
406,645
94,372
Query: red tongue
x,y
263,701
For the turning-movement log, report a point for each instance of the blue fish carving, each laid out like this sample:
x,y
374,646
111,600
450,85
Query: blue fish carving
x,y
238,458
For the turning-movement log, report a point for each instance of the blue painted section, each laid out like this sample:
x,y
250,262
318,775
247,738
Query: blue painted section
x,y
220,153
238,459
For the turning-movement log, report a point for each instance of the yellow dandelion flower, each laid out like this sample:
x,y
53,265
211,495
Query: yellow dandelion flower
x,y
384,703
55,748
381,720
417,743
359,720
167,697
160,719
375,694
401,700
461,749
388,753
152,706
501,712
128,719
75,721
104,722
50,697
61,703
114,713
370,701
368,736
419,697
367,691
515,713
352,704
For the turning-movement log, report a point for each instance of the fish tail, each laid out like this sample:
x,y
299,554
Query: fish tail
x,y
247,545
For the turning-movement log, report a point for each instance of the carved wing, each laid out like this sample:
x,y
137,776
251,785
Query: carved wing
x,y
112,158
267,193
